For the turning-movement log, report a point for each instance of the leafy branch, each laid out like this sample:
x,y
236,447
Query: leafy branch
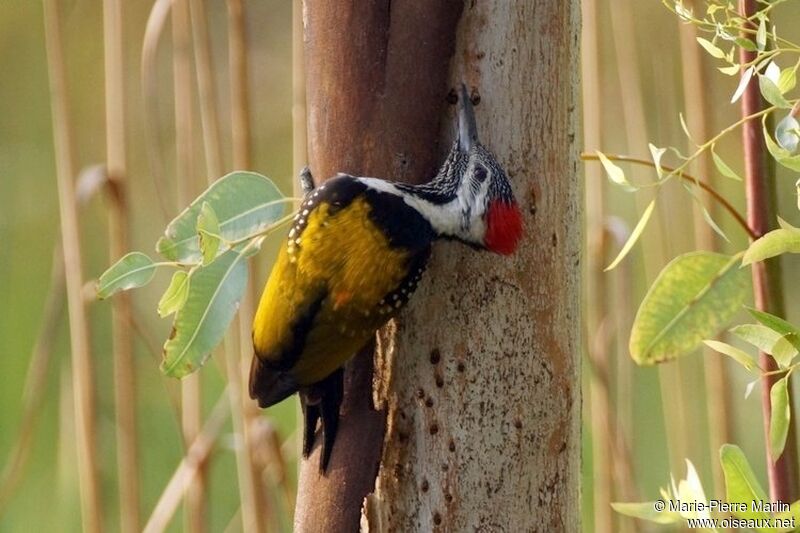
x,y
207,245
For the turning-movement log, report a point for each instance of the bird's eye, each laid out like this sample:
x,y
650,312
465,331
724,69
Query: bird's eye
x,y
480,174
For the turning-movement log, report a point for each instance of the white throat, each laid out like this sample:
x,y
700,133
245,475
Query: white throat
x,y
450,219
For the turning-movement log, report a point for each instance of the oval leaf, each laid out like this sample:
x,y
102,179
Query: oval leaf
x,y
244,203
723,167
692,299
771,93
634,236
214,295
776,242
781,155
741,484
786,133
711,48
175,296
133,270
740,356
614,173
769,341
779,419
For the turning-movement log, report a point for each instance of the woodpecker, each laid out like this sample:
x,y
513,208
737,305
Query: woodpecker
x,y
355,253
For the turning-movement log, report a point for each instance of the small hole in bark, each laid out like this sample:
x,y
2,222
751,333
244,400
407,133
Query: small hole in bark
x,y
439,380
452,97
448,497
451,446
461,367
434,429
437,518
424,485
429,402
420,394
436,356
518,423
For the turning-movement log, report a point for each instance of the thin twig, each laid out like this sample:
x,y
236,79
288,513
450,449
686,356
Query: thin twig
x,y
686,177
122,341
191,395
82,373
243,409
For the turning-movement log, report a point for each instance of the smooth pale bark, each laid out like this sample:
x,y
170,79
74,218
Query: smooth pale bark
x,y
481,375
478,382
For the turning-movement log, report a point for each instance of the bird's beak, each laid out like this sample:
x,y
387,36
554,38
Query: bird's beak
x,y
467,130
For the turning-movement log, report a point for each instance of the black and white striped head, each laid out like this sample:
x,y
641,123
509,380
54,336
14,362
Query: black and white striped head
x,y
470,199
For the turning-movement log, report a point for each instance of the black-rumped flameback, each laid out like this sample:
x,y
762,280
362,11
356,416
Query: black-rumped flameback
x,y
353,256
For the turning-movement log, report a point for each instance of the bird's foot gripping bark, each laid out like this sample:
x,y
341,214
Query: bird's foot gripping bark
x,y
321,401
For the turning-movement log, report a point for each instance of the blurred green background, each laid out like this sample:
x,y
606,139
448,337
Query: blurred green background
x,y
664,410
47,499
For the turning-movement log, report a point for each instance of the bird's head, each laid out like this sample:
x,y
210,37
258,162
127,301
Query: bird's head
x,y
489,215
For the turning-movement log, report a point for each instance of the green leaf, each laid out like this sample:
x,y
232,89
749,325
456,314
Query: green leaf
x,y
779,419
244,202
615,173
657,153
769,341
209,233
723,168
787,79
781,155
693,297
647,511
214,295
747,44
786,133
774,323
761,35
743,81
692,187
774,243
685,127
771,93
732,70
133,270
711,48
175,296
740,356
633,237
741,484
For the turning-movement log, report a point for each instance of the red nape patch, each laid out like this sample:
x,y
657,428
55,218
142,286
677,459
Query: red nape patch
x,y
503,227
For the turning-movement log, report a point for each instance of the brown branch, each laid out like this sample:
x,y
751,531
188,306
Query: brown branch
x,y
82,371
156,23
767,284
122,341
686,177
254,504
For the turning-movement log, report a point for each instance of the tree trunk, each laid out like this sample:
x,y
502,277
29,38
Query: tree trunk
x,y
478,381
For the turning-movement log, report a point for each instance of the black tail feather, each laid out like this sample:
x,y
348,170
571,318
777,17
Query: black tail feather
x,y
321,401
